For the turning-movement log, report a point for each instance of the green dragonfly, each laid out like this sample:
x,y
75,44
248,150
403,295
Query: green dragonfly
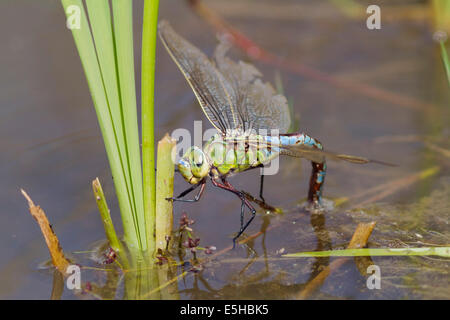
x,y
240,106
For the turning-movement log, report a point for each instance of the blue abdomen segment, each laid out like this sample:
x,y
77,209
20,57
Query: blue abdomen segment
x,y
294,139
319,169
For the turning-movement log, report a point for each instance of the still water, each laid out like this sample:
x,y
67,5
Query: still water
x,y
51,146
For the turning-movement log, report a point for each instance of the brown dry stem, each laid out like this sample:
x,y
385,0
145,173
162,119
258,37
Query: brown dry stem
x,y
56,252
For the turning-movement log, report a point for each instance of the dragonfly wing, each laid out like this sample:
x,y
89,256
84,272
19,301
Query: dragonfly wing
x,y
209,85
314,154
257,103
317,155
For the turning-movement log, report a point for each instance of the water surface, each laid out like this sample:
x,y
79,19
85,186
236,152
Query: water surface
x,y
51,146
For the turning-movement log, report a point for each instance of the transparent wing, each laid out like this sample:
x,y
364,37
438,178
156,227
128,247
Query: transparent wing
x,y
210,87
313,154
317,155
258,105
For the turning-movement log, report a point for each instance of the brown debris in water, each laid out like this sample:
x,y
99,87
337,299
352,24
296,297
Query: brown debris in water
x,y
56,252
359,240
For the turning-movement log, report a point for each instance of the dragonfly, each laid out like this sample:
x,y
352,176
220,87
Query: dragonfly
x,y
240,106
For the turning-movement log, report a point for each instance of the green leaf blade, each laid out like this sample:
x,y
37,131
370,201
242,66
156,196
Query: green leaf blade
x,y
426,251
88,56
123,37
148,102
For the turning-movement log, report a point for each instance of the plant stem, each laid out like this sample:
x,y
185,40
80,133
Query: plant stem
x,y
445,60
58,259
110,231
148,88
441,15
164,189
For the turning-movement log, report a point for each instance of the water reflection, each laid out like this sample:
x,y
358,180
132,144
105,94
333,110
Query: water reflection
x,y
154,281
323,243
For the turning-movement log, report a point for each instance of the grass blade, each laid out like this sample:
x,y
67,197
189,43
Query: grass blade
x,y
101,25
88,57
148,101
445,60
123,36
426,251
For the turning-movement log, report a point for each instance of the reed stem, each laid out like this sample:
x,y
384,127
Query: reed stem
x,y
164,189
98,73
445,60
148,102
110,231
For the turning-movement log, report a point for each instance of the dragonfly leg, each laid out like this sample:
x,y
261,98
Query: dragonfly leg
x,y
202,185
245,203
243,227
261,189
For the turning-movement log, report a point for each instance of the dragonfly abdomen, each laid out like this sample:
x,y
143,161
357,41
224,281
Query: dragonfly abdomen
x,y
299,139
319,168
238,154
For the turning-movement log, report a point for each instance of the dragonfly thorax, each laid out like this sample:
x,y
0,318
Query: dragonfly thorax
x,y
194,166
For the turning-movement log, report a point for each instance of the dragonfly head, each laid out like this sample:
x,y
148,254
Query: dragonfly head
x,y
193,166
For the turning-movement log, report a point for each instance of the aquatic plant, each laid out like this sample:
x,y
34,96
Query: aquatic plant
x,y
445,60
441,14
372,252
105,45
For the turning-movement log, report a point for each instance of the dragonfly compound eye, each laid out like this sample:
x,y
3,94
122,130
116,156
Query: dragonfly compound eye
x,y
199,165
185,169
197,159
